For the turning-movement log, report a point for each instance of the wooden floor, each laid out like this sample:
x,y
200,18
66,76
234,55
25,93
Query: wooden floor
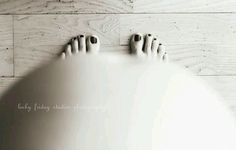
x,y
199,34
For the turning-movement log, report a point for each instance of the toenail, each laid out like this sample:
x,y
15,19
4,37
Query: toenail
x,y
81,36
149,34
93,40
137,38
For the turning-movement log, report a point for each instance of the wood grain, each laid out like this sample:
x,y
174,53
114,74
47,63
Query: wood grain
x,y
205,59
182,28
6,46
39,38
175,6
111,6
64,6
203,43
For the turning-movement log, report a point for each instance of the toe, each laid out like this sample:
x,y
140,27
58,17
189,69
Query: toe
x,y
63,55
165,58
148,44
93,40
82,43
161,50
155,45
68,50
75,45
93,44
136,44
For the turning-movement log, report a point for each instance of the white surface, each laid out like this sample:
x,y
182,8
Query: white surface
x,y
115,103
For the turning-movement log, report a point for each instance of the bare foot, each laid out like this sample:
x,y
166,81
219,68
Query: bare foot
x,y
81,44
148,46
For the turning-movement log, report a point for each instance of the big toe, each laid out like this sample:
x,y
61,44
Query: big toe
x,y
136,44
93,44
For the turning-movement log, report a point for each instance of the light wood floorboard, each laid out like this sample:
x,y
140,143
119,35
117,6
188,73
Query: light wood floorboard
x,y
65,6
183,6
6,46
39,38
204,43
114,6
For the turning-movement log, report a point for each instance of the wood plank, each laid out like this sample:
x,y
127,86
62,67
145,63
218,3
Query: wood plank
x,y
111,6
162,6
203,43
39,38
182,28
205,59
6,46
64,6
